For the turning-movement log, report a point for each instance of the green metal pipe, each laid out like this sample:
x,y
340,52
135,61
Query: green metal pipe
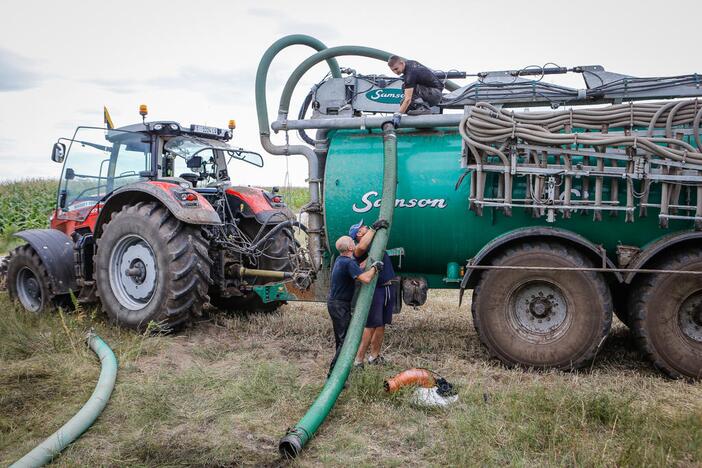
x,y
83,419
327,54
296,438
265,63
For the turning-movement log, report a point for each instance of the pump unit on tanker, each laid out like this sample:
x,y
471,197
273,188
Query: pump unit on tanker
x,y
554,218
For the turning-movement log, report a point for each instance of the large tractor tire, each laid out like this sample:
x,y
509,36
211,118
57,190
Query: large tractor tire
x,y
666,315
28,281
542,319
151,268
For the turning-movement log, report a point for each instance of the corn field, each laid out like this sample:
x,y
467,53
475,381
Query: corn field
x,y
26,204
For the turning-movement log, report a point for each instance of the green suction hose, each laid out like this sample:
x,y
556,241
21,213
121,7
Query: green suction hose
x,y
83,419
265,63
296,438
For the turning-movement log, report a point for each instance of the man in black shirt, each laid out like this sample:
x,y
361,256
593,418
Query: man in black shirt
x,y
344,275
421,86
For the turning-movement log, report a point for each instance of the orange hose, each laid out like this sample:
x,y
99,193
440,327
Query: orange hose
x,y
420,377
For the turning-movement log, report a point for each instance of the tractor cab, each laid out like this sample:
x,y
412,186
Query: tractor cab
x,y
98,161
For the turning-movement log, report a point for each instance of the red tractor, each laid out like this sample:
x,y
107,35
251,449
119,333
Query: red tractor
x,y
148,224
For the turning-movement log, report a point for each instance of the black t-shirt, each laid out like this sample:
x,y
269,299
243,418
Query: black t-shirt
x,y
417,74
343,279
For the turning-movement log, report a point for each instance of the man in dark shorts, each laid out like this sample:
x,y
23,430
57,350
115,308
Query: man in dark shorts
x,y
383,303
421,86
344,275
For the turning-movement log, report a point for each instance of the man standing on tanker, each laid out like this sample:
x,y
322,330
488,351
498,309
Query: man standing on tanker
x,y
421,87
344,275
383,303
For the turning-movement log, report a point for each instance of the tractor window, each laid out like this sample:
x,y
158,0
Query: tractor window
x,y
98,162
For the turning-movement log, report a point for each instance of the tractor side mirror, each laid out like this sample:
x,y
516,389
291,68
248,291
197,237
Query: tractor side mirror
x,y
58,153
70,174
194,162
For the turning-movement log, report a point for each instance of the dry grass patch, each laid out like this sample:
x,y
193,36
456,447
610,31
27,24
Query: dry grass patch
x,y
223,392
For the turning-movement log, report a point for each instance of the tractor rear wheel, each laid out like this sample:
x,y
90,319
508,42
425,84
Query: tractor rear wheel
x,y
666,316
151,268
28,281
542,319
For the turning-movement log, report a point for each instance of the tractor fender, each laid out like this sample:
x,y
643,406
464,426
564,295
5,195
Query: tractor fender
x,y
257,205
592,251
198,211
659,247
55,249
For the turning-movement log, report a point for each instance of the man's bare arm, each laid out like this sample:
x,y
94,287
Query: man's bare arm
x,y
366,276
364,244
407,100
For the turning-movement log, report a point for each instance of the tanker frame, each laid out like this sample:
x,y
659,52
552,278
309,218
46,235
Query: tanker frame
x,y
554,218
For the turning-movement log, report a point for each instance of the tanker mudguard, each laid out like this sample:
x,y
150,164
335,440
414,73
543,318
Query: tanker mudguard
x,y
55,249
650,251
196,211
593,251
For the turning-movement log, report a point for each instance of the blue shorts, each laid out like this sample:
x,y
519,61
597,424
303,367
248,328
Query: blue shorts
x,y
381,308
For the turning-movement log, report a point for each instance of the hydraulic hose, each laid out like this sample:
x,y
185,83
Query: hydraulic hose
x,y
83,419
296,438
275,230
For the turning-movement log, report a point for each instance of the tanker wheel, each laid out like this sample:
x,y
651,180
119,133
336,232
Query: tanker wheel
x,y
151,267
28,281
542,319
666,313
248,303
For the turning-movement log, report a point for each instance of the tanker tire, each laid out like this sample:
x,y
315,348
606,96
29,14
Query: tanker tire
x,y
28,282
180,263
578,332
656,304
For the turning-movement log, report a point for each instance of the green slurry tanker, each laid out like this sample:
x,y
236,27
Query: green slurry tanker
x,y
555,218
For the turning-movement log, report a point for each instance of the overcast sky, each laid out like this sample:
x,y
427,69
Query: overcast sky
x,y
195,61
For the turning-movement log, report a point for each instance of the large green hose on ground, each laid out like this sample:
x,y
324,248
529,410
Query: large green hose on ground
x,y
59,440
304,430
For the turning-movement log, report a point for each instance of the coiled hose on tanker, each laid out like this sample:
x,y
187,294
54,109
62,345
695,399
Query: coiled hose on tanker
x,y
83,419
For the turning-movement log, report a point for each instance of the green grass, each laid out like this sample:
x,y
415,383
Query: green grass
x,y
223,392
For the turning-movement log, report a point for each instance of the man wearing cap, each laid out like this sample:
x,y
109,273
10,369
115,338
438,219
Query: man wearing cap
x,y
344,275
383,303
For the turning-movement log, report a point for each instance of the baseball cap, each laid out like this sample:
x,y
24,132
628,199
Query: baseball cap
x,y
353,230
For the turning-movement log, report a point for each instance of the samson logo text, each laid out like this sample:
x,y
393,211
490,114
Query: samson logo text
x,y
370,200
386,96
